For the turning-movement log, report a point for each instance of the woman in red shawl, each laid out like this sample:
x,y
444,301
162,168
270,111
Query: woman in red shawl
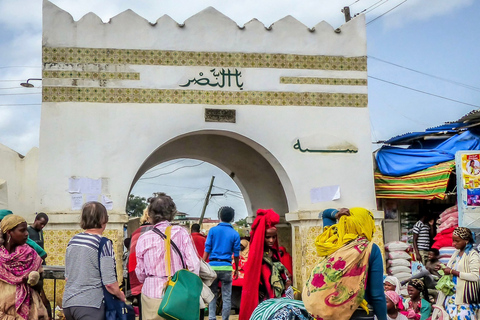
x,y
19,270
263,265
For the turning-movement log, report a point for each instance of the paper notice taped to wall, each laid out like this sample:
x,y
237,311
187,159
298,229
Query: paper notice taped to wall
x,y
323,194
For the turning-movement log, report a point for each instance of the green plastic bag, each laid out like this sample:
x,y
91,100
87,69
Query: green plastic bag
x,y
445,284
181,299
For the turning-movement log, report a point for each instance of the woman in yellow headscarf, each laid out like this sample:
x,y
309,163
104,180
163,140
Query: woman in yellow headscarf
x,y
350,270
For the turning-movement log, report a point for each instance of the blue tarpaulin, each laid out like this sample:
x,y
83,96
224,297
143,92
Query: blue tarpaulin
x,y
393,161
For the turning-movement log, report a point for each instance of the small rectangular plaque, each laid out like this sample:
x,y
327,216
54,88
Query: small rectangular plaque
x,y
220,115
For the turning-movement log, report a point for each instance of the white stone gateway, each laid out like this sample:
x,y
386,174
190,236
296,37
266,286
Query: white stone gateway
x,y
283,110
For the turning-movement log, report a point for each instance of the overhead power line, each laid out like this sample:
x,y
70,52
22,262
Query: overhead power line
x,y
6,67
163,174
19,104
427,74
398,5
18,94
380,4
424,92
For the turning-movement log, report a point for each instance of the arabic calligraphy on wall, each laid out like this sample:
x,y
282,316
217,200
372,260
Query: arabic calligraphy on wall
x,y
298,147
220,79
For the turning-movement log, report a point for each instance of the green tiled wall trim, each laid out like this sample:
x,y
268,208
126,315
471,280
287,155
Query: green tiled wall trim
x,y
213,59
325,81
93,75
131,95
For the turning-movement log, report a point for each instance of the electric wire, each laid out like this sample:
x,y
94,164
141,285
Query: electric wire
x,y
172,186
353,3
376,6
163,174
20,104
424,92
18,87
170,164
427,74
18,94
370,6
398,5
228,189
6,67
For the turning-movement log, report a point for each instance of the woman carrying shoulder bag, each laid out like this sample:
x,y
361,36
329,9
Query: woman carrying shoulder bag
x,y
85,273
150,252
464,266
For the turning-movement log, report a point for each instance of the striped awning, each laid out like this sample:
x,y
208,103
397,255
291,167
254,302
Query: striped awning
x,y
426,184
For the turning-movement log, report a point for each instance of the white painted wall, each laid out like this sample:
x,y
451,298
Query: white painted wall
x,y
111,141
20,175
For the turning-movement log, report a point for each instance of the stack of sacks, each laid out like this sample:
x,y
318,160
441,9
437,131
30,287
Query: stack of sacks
x,y
447,222
446,254
398,262
448,219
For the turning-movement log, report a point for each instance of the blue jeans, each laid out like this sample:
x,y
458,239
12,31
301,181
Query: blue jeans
x,y
225,277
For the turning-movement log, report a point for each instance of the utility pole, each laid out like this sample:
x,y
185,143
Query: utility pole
x,y
346,12
205,204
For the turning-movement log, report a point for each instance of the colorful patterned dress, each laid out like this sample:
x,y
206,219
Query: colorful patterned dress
x,y
462,311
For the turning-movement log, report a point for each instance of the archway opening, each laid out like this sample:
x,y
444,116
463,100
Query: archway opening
x,y
261,181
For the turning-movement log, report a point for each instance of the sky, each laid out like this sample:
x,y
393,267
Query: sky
x,y
422,68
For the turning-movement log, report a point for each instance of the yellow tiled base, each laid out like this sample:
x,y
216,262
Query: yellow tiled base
x,y
56,242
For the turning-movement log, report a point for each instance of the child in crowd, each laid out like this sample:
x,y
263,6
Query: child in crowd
x,y
416,307
391,283
393,300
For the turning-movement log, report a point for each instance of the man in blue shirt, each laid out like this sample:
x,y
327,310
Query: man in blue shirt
x,y
222,242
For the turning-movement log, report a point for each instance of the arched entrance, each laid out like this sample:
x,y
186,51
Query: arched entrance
x,y
260,177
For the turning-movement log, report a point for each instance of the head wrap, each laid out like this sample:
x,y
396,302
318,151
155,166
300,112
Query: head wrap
x,y
4,213
15,267
464,234
265,219
10,222
392,295
393,281
359,223
417,284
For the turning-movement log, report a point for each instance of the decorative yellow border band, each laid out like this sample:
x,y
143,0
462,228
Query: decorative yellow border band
x,y
93,75
325,81
213,59
131,95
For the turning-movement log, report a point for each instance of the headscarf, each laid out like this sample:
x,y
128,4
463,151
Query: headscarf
x,y
4,213
10,222
246,245
417,284
360,223
465,234
392,295
266,219
394,281
15,266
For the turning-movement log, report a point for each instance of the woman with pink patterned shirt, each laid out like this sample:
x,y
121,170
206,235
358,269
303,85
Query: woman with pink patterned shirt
x,y
150,252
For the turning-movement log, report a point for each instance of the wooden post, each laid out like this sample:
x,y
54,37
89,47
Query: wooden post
x,y
205,204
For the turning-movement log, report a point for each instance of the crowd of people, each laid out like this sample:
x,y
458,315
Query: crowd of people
x,y
252,274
